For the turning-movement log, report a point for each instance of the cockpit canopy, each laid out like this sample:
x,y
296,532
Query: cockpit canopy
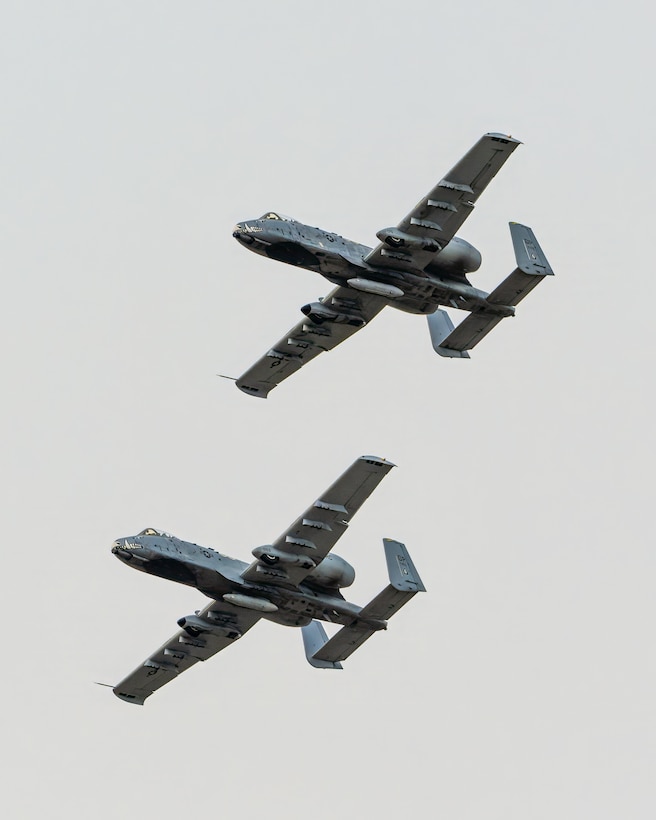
x,y
153,531
280,217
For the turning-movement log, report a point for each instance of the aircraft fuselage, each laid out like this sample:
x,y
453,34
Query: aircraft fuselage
x,y
217,575
339,260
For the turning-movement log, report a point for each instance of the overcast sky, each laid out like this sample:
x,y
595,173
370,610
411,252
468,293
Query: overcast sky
x,y
134,136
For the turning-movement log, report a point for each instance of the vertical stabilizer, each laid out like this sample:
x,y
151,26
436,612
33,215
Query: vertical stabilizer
x,y
314,638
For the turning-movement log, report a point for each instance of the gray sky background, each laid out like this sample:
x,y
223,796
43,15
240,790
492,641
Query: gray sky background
x,y
134,136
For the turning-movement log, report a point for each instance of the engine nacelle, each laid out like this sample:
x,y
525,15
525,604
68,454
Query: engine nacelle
x,y
332,572
458,256
320,313
270,555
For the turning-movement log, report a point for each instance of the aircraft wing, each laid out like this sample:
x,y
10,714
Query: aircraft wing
x,y
304,342
434,221
218,625
310,538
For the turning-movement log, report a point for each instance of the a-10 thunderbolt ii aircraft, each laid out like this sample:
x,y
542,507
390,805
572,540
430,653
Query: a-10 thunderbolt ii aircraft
x,y
295,581
419,265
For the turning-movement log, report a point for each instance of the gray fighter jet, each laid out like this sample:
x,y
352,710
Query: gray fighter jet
x,y
295,581
419,265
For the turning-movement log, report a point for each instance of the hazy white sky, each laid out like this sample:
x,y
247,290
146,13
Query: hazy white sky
x,y
134,136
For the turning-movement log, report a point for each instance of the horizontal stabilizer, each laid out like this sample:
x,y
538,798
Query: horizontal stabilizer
x,y
404,584
532,267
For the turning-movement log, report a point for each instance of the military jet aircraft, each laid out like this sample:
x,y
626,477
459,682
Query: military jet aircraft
x,y
419,265
295,581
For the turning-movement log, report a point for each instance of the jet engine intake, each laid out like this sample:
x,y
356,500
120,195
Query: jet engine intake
x,y
332,572
320,313
270,556
399,239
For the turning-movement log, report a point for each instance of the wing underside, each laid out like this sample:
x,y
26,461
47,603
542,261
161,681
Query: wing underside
x,y
434,221
289,560
224,625
352,309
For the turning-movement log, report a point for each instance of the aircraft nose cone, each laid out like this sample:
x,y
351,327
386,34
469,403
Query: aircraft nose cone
x,y
242,235
119,550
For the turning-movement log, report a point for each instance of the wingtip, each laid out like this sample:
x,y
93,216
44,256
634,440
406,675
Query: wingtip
x,y
382,462
495,135
257,391
137,700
